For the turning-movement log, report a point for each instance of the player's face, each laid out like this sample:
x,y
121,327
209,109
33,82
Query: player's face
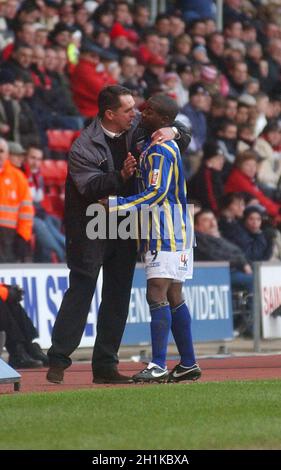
x,y
150,119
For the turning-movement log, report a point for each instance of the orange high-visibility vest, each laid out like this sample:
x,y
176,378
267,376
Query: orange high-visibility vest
x,y
16,207
3,292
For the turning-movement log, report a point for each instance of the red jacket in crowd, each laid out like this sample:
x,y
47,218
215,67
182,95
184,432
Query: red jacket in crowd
x,y
86,83
239,182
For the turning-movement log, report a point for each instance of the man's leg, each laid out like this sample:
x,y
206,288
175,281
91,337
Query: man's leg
x,y
118,270
71,319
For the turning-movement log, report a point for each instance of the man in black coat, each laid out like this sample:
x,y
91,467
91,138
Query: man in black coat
x,y
100,165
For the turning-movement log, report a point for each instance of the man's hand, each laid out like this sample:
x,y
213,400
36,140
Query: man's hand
x,y
15,294
161,135
129,167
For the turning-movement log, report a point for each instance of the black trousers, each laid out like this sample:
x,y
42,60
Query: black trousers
x,y
118,270
16,324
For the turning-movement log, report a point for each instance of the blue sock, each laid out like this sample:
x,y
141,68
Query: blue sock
x,y
160,327
181,328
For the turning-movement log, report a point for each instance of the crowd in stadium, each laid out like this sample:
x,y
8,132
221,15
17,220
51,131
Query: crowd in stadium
x,y
57,55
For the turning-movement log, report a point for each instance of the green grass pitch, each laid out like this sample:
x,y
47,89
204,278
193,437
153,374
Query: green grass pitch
x,y
224,415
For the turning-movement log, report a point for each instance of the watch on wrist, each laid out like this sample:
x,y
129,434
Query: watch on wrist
x,y
177,134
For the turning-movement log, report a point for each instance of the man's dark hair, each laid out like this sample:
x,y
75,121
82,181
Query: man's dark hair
x,y
165,106
109,98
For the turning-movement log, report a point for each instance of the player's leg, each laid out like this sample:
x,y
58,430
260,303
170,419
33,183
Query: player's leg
x,y
181,320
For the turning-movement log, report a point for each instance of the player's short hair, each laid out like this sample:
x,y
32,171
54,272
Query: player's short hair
x,y
164,105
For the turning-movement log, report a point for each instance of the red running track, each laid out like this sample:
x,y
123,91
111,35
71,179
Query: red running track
x,y
79,375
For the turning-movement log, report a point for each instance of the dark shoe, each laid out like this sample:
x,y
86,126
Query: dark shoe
x,y
35,351
20,359
110,376
181,373
55,374
152,373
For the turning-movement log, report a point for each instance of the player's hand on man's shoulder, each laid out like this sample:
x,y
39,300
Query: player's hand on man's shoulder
x,y
163,134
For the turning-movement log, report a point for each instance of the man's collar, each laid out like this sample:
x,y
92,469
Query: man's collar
x,y
111,134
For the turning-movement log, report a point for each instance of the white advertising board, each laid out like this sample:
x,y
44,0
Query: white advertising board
x,y
270,293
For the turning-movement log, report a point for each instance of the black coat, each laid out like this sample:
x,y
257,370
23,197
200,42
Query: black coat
x,y
206,186
92,176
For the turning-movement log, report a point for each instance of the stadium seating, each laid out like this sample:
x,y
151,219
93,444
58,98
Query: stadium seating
x,y
54,173
61,140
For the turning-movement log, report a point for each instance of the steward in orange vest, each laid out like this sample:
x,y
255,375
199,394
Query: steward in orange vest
x,y
16,210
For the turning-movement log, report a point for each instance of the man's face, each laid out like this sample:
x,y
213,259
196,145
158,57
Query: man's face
x,y
123,117
231,109
217,44
16,159
129,67
240,73
24,57
207,223
150,119
198,101
237,207
34,159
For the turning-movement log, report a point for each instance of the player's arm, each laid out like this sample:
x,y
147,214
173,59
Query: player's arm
x,y
158,182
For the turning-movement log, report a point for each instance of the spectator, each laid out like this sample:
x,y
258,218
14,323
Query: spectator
x,y
211,246
251,238
16,154
182,49
28,129
232,210
243,179
269,169
196,9
209,177
194,111
141,18
48,238
238,76
231,108
215,48
9,108
20,62
16,213
87,81
185,72
227,141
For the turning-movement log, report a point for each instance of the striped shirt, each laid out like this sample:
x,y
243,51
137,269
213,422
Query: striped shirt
x,y
165,221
